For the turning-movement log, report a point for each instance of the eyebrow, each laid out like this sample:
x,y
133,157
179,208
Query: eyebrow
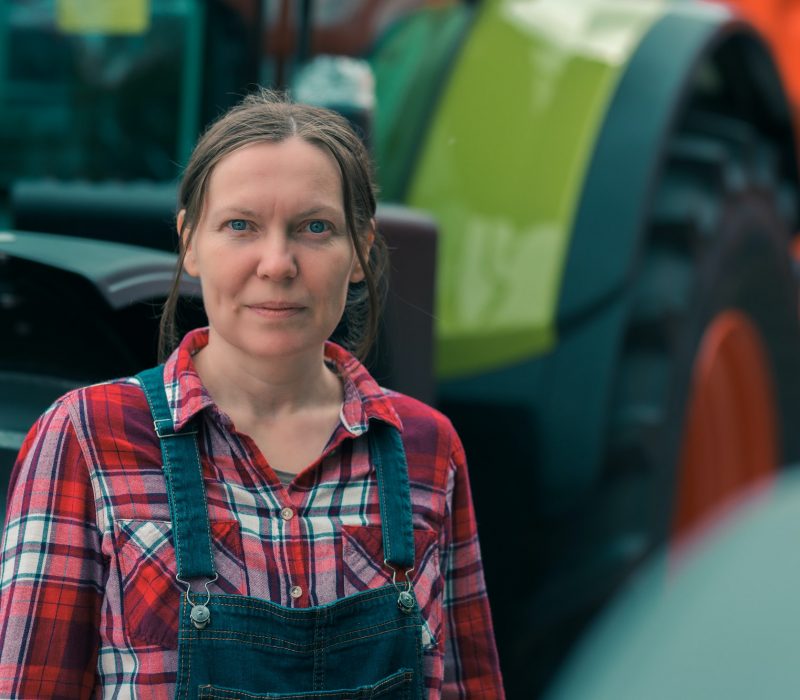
x,y
320,209
243,211
311,211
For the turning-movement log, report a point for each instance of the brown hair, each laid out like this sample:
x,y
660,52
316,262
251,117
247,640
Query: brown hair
x,y
269,116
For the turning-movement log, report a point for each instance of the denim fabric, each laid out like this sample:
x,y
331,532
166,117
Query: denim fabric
x,y
187,502
363,646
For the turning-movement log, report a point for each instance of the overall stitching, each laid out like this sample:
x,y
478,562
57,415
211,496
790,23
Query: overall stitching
x,y
386,625
319,651
166,417
273,609
401,677
182,678
205,503
386,515
230,636
168,476
167,466
377,459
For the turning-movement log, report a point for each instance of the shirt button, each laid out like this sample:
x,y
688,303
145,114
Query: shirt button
x,y
296,592
287,513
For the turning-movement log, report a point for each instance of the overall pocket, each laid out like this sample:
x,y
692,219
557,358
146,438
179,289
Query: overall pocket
x,y
398,686
151,597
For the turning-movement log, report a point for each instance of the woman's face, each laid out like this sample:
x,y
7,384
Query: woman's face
x,y
272,250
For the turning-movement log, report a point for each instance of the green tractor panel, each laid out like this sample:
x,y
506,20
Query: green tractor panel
x,y
615,327
617,336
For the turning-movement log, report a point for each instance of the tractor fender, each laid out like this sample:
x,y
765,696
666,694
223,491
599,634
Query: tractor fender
x,y
628,154
503,163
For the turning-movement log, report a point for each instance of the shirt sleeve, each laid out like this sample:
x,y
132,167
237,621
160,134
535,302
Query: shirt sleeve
x,y
51,569
471,666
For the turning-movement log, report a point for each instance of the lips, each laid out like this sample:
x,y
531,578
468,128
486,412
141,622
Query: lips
x,y
276,309
276,305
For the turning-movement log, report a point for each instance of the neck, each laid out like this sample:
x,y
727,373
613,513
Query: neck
x,y
264,388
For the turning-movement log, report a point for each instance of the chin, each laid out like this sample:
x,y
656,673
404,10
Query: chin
x,y
279,347
268,343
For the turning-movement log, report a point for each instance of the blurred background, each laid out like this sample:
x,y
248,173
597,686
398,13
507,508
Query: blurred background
x,y
591,206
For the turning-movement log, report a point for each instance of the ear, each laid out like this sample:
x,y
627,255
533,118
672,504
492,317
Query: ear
x,y
357,275
189,260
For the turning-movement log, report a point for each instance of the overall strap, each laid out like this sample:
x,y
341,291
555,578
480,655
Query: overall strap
x,y
389,458
183,474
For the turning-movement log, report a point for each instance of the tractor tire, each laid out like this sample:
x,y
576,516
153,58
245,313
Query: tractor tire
x,y
709,377
713,295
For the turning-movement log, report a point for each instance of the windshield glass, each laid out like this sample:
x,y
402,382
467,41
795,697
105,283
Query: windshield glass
x,y
97,89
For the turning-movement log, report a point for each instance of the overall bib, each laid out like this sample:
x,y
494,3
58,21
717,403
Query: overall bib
x,y
367,645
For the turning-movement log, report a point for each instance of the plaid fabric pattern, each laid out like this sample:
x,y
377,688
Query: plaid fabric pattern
x,y
88,597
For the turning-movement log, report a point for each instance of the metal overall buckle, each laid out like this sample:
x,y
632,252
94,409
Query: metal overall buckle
x,y
200,615
405,599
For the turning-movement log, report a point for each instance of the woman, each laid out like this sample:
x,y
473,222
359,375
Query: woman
x,y
255,517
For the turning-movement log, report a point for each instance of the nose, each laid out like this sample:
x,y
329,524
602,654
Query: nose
x,y
276,260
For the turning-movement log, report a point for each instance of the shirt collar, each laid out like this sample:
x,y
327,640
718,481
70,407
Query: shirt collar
x,y
364,399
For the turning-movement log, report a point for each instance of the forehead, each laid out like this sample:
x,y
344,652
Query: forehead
x,y
293,168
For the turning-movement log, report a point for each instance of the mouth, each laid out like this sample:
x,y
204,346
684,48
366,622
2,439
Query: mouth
x,y
276,309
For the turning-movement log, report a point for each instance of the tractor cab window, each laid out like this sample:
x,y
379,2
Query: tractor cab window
x,y
97,90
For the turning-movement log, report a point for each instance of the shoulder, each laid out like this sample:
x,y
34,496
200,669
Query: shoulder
x,y
417,415
79,431
100,415
425,429
107,401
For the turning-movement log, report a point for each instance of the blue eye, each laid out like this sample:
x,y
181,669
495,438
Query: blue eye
x,y
317,226
238,224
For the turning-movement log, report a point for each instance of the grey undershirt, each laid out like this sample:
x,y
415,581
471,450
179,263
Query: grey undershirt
x,y
285,477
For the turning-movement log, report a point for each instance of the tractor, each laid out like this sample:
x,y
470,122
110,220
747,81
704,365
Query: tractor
x,y
591,206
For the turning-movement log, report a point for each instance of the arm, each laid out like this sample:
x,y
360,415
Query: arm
x,y
472,669
51,570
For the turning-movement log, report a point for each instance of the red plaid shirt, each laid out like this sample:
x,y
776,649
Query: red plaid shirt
x,y
88,597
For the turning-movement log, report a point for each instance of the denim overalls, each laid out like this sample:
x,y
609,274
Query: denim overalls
x,y
366,645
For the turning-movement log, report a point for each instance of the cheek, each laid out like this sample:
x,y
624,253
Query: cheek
x,y
335,287
221,271
220,288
